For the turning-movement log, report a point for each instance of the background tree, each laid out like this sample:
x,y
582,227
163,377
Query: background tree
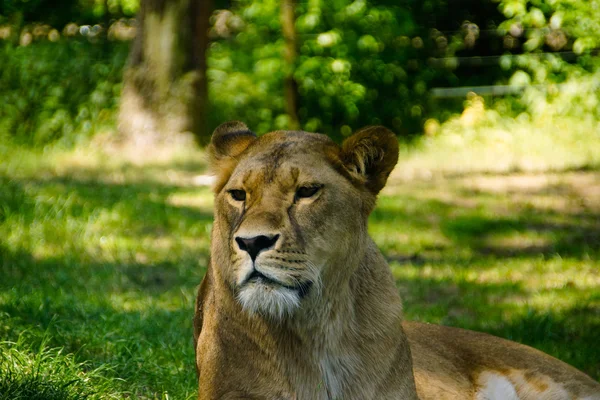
x,y
288,21
343,64
165,87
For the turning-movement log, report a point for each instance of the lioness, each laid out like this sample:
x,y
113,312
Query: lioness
x,y
298,302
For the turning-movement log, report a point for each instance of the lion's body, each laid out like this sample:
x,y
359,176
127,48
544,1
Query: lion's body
x,y
242,354
451,363
298,302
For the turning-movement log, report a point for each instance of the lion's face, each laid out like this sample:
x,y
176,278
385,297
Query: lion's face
x,y
281,211
287,210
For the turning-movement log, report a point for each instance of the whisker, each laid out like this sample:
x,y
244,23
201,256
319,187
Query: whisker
x,y
280,266
291,251
287,260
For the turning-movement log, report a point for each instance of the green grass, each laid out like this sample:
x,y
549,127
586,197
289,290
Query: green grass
x,y
481,140
100,258
513,255
103,261
42,373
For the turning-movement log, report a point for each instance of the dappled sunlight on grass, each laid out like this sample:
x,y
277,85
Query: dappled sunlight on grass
x,y
99,258
174,165
502,145
103,260
513,255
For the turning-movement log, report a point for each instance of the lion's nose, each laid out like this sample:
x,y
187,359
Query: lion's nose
x,y
256,244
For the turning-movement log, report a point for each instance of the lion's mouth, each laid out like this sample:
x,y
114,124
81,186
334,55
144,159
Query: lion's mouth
x,y
257,277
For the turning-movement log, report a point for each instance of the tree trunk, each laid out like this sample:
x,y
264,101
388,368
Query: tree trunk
x,y
288,21
165,88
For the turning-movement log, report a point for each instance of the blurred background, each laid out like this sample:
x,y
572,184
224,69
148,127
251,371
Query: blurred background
x,y
491,221
69,67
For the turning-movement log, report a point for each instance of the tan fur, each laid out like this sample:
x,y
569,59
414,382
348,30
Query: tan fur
x,y
326,320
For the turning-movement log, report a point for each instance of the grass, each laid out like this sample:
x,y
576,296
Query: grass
x,y
513,255
481,140
102,261
43,373
101,254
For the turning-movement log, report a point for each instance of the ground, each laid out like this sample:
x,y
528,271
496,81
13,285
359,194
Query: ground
x,y
101,254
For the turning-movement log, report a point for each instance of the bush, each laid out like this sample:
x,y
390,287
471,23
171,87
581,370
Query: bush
x,y
356,66
359,63
64,91
363,62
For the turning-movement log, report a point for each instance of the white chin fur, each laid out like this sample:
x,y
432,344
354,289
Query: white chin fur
x,y
269,301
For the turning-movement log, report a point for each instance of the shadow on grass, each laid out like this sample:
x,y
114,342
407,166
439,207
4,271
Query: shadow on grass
x,y
576,235
133,316
568,333
136,316
527,232
572,231
447,242
571,335
142,204
32,388
107,314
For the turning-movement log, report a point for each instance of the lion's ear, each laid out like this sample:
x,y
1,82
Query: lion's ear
x,y
228,141
370,155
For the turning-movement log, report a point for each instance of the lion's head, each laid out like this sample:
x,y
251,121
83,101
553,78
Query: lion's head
x,y
291,210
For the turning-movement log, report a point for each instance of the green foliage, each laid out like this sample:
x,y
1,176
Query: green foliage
x,y
59,91
551,27
577,98
246,70
58,13
360,62
543,23
363,62
353,58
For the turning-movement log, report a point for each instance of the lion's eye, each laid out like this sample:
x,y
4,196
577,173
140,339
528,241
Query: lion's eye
x,y
305,192
237,194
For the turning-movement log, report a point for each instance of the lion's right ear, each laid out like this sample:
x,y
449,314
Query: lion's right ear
x,y
228,141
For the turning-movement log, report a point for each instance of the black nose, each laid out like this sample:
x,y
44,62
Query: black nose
x,y
256,244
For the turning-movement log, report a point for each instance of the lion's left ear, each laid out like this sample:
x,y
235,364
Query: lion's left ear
x,y
370,155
